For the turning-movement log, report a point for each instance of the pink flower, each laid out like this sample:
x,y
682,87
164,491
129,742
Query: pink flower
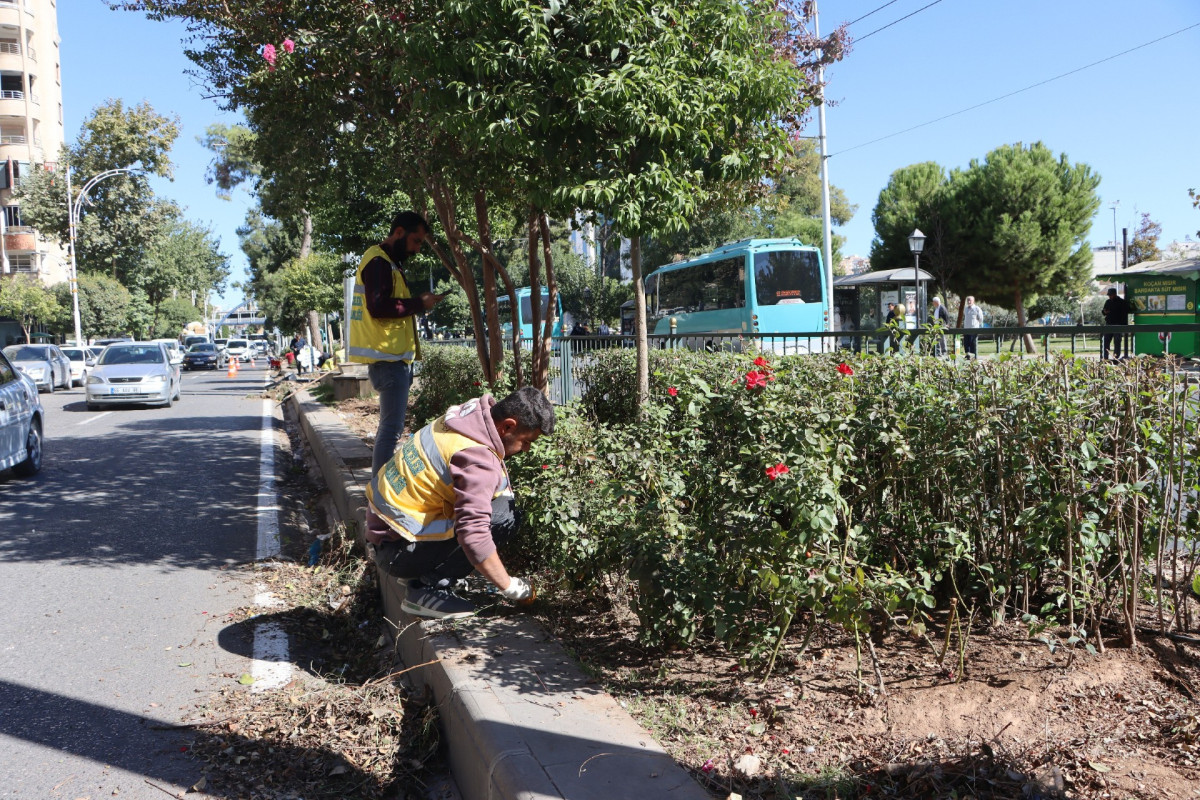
x,y
545,466
754,712
708,766
845,369
761,362
777,470
268,53
756,380
289,46
673,391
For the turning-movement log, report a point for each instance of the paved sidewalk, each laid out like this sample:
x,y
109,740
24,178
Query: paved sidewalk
x,y
521,720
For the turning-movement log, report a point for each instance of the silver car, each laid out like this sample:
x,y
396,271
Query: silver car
x,y
45,364
21,415
133,372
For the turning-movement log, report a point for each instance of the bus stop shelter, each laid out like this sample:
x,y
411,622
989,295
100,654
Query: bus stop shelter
x,y
1162,292
860,301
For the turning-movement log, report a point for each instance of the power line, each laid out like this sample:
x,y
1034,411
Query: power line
x,y
869,13
1018,91
890,24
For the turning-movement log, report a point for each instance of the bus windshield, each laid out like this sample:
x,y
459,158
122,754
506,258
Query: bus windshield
x,y
526,307
784,277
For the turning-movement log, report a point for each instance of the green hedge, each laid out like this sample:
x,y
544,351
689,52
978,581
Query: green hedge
x,y
1012,487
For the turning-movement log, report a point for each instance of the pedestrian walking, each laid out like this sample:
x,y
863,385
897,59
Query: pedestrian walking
x,y
895,323
383,329
443,505
1116,312
972,318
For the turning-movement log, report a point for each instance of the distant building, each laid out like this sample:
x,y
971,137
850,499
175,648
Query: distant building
x,y
854,265
31,129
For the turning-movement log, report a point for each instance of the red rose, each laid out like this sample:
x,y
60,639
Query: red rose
x,y
845,369
777,470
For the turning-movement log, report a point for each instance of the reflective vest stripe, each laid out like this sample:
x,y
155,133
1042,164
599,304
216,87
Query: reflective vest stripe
x,y
378,355
433,455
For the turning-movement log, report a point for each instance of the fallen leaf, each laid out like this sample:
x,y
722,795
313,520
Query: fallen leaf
x,y
199,785
186,664
246,679
1099,767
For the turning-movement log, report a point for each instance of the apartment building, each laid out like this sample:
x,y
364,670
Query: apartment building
x,y
31,129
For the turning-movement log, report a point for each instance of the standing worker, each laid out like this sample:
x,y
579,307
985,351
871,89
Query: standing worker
x,y
383,326
443,504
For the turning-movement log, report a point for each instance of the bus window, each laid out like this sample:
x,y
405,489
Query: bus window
x,y
784,277
712,286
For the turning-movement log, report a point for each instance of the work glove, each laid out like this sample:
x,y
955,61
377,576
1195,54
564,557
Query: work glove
x,y
520,592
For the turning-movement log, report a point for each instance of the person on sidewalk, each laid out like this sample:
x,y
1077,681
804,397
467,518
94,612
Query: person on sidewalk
x,y
442,505
938,317
383,328
1116,312
972,318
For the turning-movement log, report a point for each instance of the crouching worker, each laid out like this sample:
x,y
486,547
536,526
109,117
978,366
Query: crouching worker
x,y
443,504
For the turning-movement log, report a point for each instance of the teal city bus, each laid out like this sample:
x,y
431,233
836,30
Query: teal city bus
x,y
755,286
525,312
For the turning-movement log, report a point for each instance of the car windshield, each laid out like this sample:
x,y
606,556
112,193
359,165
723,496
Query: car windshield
x,y
135,354
73,353
26,353
202,348
238,343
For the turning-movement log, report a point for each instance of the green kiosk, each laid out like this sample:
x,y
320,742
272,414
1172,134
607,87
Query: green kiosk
x,y
1162,292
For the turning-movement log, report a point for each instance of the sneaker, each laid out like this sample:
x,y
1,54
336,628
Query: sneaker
x,y
436,603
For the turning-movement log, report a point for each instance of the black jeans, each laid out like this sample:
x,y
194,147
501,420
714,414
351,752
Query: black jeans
x,y
434,562
1111,342
971,344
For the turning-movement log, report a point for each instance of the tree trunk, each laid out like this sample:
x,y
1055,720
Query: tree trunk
x,y
311,316
458,268
495,343
551,299
1028,339
534,232
639,323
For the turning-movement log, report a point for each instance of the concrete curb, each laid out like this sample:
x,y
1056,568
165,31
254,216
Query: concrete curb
x,y
521,720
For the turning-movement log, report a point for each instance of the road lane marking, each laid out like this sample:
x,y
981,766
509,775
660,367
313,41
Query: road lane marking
x,y
93,419
271,667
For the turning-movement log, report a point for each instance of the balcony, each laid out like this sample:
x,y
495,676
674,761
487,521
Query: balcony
x,y
20,237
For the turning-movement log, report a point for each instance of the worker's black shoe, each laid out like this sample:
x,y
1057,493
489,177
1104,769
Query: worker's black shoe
x,y
436,603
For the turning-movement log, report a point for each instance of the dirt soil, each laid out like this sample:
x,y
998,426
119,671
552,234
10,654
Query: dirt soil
x,y
1008,718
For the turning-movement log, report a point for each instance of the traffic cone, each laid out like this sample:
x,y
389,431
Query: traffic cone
x,y
232,368
251,361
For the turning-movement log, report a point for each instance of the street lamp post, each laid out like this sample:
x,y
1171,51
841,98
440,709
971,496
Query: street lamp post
x,y
74,208
916,243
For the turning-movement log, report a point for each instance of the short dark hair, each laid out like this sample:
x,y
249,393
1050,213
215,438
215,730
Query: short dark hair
x,y
529,408
410,221
1111,290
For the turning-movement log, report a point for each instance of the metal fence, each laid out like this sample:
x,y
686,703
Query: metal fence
x,y
568,354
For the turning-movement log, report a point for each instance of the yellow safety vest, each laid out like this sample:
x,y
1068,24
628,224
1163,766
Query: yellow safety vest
x,y
414,493
387,339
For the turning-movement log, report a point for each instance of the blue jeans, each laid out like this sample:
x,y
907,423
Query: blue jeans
x,y
392,380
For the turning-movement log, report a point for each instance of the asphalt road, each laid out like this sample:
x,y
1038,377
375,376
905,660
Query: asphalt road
x,y
118,565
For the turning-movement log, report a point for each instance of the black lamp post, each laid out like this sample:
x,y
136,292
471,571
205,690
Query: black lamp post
x,y
916,243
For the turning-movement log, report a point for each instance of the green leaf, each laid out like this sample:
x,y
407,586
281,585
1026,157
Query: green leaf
x,y
246,679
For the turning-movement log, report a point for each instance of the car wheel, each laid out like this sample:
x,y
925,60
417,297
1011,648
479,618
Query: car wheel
x,y
67,382
33,451
50,384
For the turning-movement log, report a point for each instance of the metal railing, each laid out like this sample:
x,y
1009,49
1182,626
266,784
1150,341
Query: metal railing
x,y
568,354
11,48
13,139
11,94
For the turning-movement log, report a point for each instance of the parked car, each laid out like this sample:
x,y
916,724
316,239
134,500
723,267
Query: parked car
x,y
261,346
203,356
106,342
21,415
45,364
133,372
239,349
82,360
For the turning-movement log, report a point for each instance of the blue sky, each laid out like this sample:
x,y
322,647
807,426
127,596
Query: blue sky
x,y
1134,118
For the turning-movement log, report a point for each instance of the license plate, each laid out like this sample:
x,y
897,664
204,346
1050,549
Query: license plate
x,y
124,389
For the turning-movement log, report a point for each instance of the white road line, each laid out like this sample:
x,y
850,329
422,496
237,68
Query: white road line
x,y
271,667
93,419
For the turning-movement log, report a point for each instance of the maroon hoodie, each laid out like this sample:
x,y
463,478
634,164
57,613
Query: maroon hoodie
x,y
476,474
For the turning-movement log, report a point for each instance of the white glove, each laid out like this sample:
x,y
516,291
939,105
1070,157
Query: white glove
x,y
518,591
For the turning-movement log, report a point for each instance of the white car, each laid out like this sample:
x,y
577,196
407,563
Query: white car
x,y
239,349
21,415
174,350
133,372
82,360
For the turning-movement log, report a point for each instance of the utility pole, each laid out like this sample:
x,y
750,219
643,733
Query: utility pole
x,y
1116,258
826,231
